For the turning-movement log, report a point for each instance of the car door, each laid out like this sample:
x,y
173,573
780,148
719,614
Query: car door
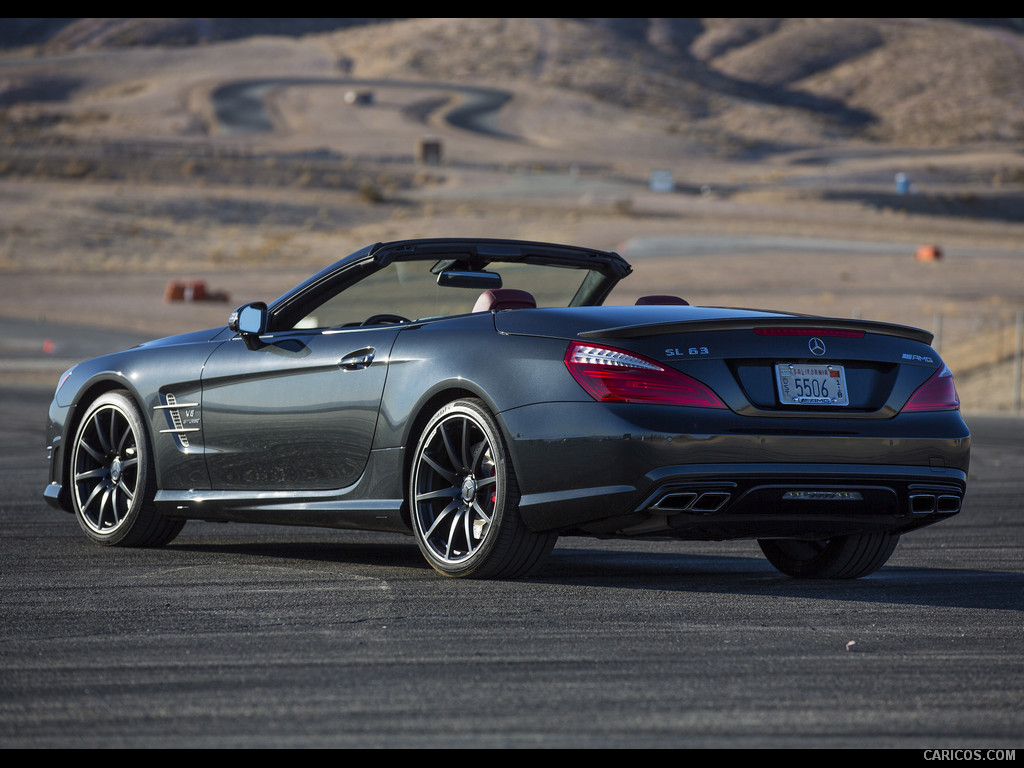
x,y
296,412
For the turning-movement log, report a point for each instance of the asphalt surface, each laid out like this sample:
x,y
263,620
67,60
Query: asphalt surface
x,y
247,636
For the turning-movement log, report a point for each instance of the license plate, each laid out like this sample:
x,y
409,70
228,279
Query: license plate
x,y
811,384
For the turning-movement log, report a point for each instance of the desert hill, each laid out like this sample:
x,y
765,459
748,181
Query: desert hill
x,y
742,84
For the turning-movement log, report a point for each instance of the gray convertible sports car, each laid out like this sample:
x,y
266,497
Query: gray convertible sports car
x,y
477,394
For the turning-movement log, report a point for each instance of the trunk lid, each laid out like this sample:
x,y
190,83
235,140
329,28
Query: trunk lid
x,y
761,363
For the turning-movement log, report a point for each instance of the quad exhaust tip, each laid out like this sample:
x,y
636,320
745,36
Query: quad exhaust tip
x,y
929,503
694,502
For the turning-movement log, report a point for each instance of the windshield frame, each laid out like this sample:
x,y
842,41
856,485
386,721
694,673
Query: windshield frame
x,y
603,270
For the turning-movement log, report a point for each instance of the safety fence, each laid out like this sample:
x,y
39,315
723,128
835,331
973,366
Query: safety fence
x,y
987,361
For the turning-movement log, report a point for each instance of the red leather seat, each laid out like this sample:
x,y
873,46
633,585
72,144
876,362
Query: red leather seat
x,y
504,298
646,300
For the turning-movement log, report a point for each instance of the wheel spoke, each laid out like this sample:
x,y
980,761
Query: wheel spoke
x,y
119,504
122,448
113,431
113,504
91,473
104,500
440,518
449,448
129,493
98,429
451,536
482,513
97,489
478,451
466,465
446,474
443,493
467,531
96,454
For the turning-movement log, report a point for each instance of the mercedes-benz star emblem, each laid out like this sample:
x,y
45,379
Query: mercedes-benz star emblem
x,y
817,346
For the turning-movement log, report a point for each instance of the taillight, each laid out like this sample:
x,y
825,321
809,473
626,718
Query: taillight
x,y
936,394
616,376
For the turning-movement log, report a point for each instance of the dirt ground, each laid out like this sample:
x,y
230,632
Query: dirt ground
x,y
108,197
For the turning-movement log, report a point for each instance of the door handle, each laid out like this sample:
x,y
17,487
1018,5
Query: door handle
x,y
357,360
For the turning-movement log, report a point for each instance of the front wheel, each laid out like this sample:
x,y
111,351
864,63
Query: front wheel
x,y
844,557
464,498
113,480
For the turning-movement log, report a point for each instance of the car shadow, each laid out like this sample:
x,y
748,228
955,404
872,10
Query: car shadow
x,y
396,553
667,571
894,584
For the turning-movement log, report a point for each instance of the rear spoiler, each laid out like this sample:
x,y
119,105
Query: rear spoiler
x,y
754,323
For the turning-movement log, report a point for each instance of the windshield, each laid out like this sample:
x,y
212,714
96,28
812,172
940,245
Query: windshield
x,y
410,291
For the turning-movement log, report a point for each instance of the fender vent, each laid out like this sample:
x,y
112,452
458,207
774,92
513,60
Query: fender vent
x,y
178,429
176,420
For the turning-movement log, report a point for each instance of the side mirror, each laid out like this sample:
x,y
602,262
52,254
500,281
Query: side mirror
x,y
250,322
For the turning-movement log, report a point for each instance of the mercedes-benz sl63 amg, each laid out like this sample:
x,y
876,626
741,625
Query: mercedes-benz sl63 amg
x,y
481,396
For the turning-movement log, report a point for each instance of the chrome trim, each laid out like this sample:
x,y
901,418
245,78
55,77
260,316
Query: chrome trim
x,y
171,407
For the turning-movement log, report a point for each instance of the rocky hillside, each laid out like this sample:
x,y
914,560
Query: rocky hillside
x,y
743,85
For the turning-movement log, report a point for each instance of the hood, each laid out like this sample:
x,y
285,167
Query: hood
x,y
191,337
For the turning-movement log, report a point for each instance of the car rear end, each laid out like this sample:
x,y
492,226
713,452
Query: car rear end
x,y
716,424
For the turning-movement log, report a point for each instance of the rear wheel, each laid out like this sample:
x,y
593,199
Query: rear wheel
x,y
113,480
844,557
464,498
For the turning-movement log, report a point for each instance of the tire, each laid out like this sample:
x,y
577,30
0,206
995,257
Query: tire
x,y
464,498
845,557
113,480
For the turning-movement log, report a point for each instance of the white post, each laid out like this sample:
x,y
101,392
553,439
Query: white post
x,y
1017,362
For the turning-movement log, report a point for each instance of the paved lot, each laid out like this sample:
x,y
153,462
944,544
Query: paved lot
x,y
241,636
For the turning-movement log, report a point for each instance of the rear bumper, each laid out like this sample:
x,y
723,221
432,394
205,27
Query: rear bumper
x,y
804,501
701,474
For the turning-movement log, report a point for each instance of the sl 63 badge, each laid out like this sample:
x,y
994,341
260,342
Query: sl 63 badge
x,y
678,352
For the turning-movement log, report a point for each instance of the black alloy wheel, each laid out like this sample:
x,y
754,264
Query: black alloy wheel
x,y
844,557
112,477
464,498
